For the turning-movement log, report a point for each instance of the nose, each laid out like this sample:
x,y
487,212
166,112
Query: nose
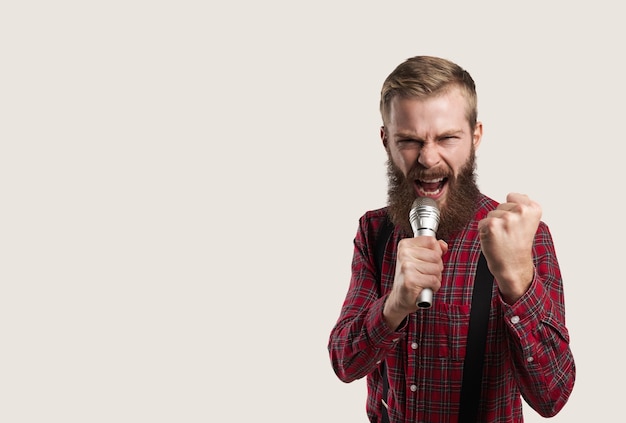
x,y
429,155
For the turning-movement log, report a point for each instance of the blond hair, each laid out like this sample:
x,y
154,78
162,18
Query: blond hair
x,y
427,76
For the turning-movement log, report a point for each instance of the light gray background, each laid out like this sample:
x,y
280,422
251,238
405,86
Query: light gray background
x,y
181,184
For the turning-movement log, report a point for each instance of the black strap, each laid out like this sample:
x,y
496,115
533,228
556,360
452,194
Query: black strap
x,y
384,233
476,337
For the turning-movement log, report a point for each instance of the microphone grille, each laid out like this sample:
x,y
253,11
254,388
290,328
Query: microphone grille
x,y
424,201
424,216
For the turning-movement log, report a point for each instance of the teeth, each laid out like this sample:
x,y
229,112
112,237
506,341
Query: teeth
x,y
427,193
422,190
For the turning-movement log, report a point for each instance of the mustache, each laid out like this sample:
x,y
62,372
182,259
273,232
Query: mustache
x,y
420,172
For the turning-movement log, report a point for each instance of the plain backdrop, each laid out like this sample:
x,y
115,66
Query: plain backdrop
x,y
181,182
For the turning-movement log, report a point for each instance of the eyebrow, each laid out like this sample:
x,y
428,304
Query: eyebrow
x,y
401,135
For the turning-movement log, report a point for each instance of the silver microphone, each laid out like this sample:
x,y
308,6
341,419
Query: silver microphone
x,y
424,218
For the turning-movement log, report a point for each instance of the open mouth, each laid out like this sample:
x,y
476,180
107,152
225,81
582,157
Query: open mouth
x,y
430,187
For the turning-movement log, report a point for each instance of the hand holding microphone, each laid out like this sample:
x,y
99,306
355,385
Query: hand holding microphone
x,y
424,219
418,262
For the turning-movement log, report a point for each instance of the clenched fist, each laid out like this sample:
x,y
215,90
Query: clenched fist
x,y
506,239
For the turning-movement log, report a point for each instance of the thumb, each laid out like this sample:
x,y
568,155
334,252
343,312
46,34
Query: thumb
x,y
444,246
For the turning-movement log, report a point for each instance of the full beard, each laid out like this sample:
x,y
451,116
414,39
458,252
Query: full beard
x,y
460,204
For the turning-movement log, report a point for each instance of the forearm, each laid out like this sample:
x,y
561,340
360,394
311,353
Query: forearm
x,y
542,360
359,341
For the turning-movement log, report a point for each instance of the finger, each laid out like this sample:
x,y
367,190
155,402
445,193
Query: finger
x,y
427,249
426,277
516,197
522,205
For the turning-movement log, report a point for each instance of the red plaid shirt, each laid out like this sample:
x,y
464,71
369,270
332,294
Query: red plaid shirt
x,y
527,349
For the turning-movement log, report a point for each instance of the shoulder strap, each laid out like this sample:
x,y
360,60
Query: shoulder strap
x,y
476,339
380,245
384,232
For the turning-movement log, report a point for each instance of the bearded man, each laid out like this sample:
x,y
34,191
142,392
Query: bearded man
x,y
422,364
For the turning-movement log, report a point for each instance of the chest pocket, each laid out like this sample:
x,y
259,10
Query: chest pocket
x,y
449,325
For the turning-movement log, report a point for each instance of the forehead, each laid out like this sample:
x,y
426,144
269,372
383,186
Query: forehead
x,y
444,111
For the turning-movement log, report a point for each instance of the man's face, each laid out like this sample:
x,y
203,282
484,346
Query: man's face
x,y
431,152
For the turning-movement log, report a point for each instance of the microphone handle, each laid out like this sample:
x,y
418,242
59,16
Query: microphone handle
x,y
425,298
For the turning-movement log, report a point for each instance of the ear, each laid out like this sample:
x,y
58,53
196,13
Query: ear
x,y
383,137
478,134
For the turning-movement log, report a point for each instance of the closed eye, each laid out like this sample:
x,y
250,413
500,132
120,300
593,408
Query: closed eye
x,y
408,143
449,139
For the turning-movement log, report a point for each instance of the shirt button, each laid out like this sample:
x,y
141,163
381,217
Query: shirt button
x,y
414,345
515,319
530,359
413,388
